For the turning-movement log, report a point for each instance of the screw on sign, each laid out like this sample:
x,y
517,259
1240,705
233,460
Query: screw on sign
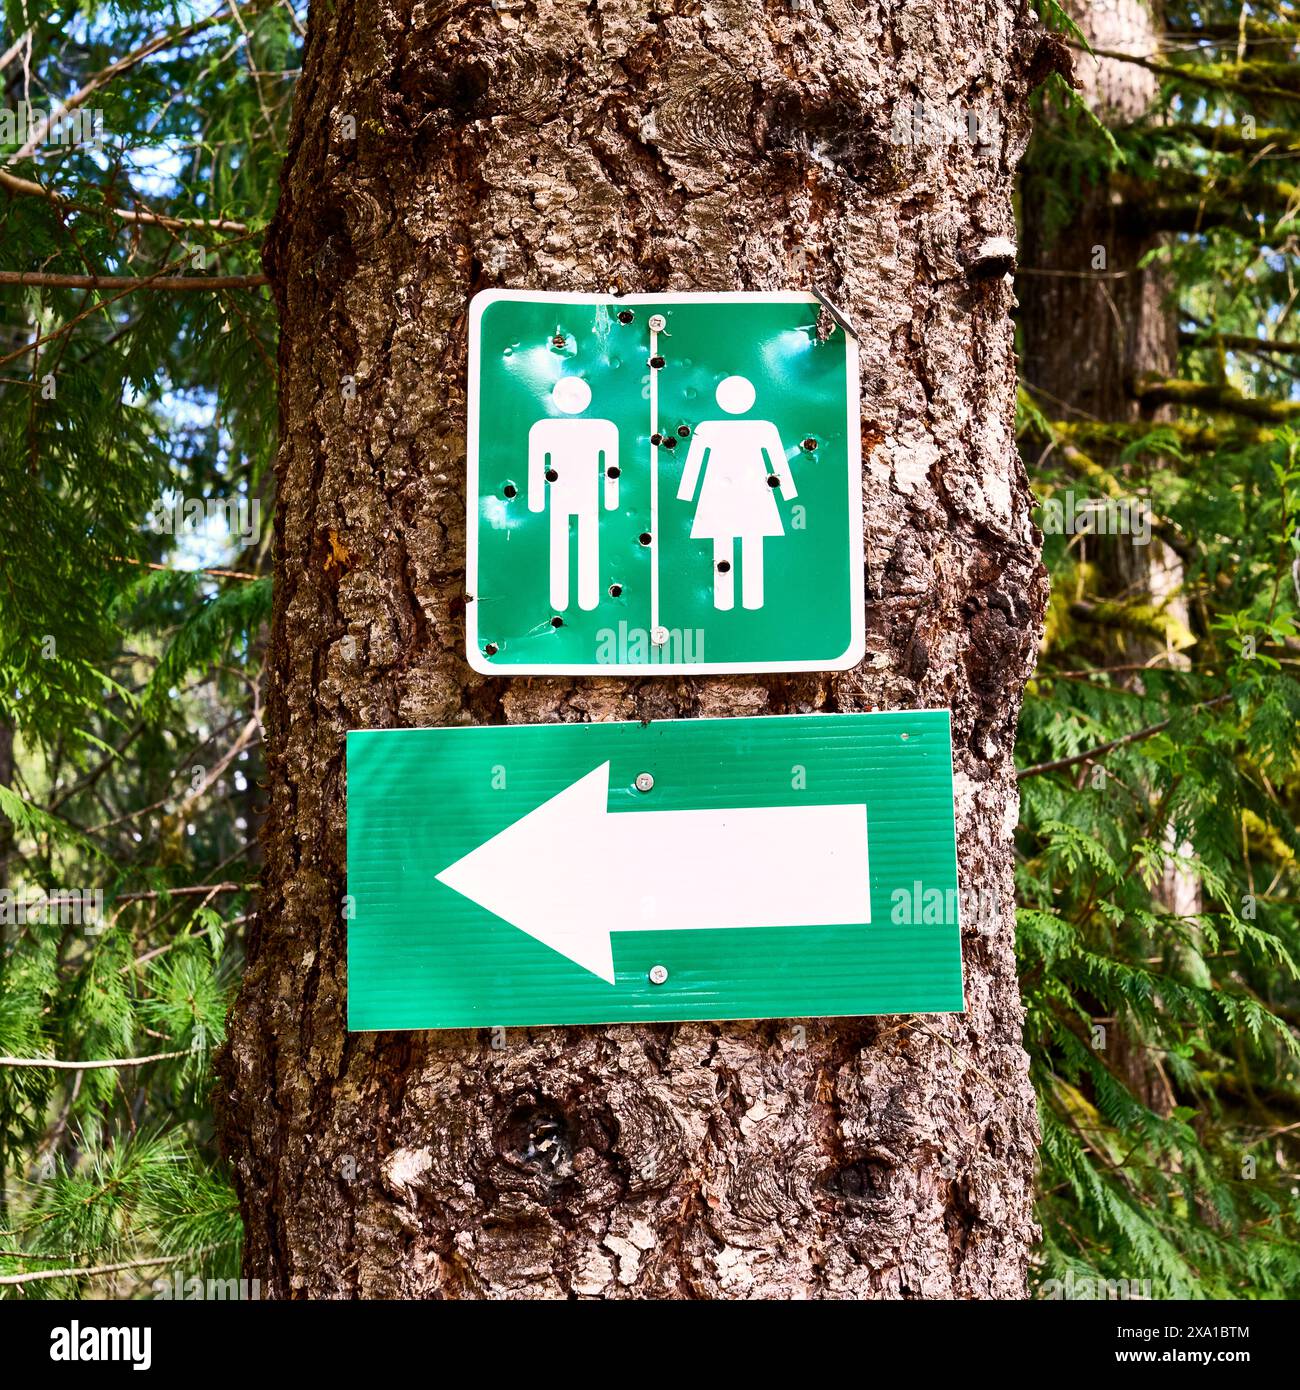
x,y
739,551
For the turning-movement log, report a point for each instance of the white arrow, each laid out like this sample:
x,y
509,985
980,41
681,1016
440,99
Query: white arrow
x,y
569,873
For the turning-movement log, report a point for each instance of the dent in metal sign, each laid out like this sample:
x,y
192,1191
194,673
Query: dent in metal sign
x,y
685,869
669,482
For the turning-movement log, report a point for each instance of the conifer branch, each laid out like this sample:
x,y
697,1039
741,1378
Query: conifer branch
x,y
1100,751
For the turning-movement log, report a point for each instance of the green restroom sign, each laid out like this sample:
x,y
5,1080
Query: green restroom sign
x,y
789,866
667,481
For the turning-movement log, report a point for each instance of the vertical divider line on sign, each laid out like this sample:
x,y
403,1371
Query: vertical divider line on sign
x,y
654,486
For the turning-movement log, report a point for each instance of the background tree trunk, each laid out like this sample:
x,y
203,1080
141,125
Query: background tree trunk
x,y
1090,332
588,148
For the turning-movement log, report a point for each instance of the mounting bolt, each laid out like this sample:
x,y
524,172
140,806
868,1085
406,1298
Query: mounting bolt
x,y
658,323
659,636
644,781
658,974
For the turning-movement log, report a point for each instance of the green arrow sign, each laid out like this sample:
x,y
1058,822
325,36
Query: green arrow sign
x,y
665,481
684,869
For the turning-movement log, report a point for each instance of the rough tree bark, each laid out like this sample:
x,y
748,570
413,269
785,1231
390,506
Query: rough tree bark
x,y
715,146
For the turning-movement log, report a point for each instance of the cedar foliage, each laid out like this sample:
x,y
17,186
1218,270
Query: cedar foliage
x,y
130,676
1166,1048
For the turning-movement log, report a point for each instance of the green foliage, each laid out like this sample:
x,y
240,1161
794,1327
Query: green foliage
x,y
1158,931
129,676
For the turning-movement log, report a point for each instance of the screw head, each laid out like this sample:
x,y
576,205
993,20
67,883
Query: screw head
x,y
658,974
659,636
644,781
658,323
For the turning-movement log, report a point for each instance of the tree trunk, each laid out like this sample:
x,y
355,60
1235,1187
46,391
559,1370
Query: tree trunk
x,y
570,147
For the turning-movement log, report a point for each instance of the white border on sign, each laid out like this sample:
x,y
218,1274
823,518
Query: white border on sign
x,y
853,438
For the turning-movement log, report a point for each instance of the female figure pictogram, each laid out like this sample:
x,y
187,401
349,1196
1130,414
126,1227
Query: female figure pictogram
x,y
743,463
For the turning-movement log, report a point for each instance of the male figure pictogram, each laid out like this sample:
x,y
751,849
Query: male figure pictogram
x,y
567,461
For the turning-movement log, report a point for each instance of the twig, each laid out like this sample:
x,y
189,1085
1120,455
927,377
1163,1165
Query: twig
x,y
156,1261
1074,274
53,280
58,1064
14,49
188,891
244,740
172,569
